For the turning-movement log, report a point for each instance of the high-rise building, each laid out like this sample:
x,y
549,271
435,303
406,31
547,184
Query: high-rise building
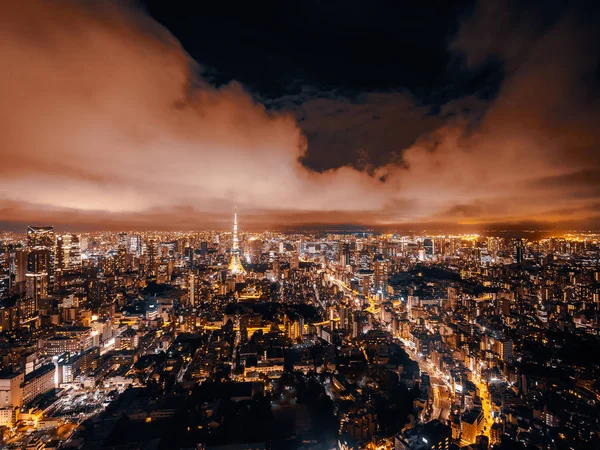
x,y
42,240
255,250
152,249
381,269
345,317
9,318
4,259
300,248
122,240
192,291
83,243
121,261
135,245
345,255
37,279
38,261
20,269
40,237
519,252
452,298
36,287
235,265
162,273
189,255
505,349
429,245
68,252
4,285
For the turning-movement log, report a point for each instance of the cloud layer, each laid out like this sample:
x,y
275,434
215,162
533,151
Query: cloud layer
x,y
106,123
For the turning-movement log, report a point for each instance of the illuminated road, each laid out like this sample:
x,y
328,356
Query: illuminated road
x,y
486,406
317,298
372,308
441,399
341,285
442,390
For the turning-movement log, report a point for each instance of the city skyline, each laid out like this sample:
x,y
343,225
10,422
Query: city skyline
x,y
123,121
378,340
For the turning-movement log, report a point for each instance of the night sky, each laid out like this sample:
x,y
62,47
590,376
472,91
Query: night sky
x,y
393,115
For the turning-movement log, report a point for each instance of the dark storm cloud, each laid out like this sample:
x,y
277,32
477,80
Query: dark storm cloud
x,y
366,131
369,130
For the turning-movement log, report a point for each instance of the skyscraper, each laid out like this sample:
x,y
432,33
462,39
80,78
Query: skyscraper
x,y
381,268
235,265
37,278
505,349
345,254
135,245
4,285
203,248
68,252
519,250
40,237
43,239
152,249
122,240
429,245
192,291
20,270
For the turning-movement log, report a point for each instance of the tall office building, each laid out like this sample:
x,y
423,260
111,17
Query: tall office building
x,y
9,318
345,255
429,245
505,349
152,249
122,240
364,260
37,278
381,268
121,262
345,317
235,265
519,252
68,253
43,239
36,287
192,290
135,245
38,261
4,285
40,237
19,270
4,258
189,255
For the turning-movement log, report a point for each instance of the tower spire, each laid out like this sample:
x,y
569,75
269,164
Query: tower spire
x,y
235,265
